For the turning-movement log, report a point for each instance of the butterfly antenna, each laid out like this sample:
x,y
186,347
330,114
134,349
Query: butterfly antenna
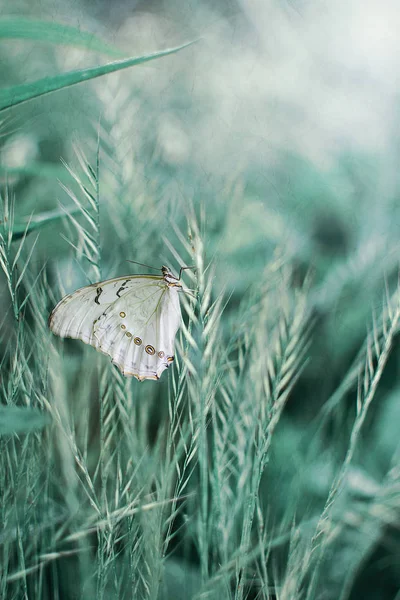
x,y
142,265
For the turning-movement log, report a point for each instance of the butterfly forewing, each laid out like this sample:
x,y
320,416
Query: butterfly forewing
x,y
133,319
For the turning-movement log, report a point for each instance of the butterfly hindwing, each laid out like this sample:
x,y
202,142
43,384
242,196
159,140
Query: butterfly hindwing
x,y
138,330
133,319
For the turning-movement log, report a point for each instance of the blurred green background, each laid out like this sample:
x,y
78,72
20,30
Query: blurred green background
x,y
279,129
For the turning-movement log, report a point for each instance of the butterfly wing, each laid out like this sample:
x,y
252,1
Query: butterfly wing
x,y
138,331
74,314
132,319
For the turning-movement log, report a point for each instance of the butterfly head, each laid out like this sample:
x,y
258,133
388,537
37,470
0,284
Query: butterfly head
x,y
170,279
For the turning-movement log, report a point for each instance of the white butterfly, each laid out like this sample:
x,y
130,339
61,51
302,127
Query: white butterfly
x,y
133,319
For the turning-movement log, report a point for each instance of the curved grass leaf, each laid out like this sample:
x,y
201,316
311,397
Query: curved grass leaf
x,y
39,169
17,94
53,33
18,419
25,226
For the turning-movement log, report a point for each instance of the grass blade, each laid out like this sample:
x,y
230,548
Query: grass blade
x,y
53,33
16,419
24,227
12,96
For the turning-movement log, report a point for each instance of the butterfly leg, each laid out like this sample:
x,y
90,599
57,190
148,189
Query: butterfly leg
x,y
185,269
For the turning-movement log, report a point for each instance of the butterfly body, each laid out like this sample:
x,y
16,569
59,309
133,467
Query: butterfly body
x,y
133,319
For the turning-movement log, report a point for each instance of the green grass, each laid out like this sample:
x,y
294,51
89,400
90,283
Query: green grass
x,y
264,464
136,478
